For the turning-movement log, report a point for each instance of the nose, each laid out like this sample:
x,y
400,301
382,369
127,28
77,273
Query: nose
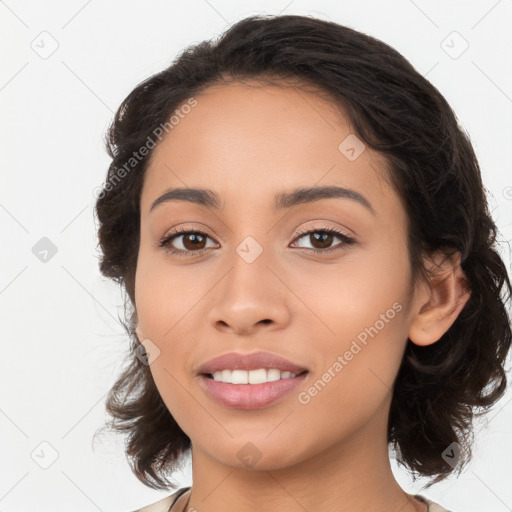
x,y
249,298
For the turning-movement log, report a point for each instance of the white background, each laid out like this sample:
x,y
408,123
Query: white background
x,y
62,344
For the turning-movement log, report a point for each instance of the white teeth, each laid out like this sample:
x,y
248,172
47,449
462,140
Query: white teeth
x,y
239,377
257,376
273,375
251,377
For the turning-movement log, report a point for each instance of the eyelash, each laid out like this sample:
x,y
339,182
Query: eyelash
x,y
165,241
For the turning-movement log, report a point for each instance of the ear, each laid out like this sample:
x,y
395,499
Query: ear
x,y
438,303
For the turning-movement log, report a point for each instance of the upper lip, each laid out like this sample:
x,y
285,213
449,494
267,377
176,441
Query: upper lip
x,y
253,361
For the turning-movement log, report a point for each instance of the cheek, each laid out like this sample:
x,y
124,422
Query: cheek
x,y
164,302
356,379
163,296
364,308
361,296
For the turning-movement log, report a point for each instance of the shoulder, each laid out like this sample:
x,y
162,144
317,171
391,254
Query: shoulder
x,y
432,506
164,504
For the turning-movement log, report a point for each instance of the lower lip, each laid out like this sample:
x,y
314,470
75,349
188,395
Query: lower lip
x,y
250,396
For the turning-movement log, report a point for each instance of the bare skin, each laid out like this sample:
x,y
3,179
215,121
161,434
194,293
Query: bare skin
x,y
248,143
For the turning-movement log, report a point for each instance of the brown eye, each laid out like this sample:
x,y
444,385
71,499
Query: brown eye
x,y
192,242
322,238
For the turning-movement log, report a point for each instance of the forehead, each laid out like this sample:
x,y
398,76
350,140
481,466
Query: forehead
x,y
256,139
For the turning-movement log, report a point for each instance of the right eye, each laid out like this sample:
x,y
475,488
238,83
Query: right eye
x,y
193,245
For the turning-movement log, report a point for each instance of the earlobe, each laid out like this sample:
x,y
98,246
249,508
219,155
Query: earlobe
x,y
438,303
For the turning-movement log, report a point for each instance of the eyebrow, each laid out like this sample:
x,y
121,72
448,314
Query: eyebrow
x,y
284,200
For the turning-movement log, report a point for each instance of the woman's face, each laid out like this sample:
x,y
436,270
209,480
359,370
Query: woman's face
x,y
253,282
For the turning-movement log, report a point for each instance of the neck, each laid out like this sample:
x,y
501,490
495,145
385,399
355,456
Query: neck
x,y
353,476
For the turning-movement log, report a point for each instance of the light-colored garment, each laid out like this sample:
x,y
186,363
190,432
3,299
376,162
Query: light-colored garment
x,y
165,504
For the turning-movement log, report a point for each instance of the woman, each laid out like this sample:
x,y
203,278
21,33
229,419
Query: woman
x,y
301,228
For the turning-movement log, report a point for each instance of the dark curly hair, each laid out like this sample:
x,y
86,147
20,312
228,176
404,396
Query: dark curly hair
x,y
439,388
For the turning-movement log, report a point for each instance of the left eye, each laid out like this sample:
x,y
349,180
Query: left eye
x,y
193,241
325,237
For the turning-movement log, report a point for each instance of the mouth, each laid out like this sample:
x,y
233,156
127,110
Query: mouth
x,y
250,380
249,396
252,377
